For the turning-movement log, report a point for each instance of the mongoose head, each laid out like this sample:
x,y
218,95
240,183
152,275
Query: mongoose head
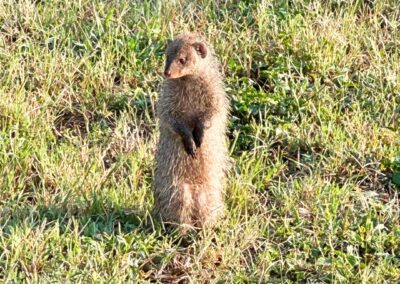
x,y
185,56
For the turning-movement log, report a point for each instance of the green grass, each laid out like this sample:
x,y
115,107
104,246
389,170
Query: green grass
x,y
314,136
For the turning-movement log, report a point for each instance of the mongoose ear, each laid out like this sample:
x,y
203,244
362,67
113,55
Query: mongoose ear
x,y
200,48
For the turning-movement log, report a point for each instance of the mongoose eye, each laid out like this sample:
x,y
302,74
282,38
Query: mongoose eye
x,y
182,61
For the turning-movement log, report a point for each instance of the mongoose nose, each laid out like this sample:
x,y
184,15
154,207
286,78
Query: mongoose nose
x,y
167,73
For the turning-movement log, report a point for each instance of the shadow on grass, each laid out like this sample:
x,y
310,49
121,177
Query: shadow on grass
x,y
91,220
96,220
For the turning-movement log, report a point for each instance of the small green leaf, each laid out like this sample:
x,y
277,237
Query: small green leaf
x,y
396,178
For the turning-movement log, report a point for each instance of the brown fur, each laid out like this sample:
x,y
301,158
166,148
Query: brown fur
x,y
191,158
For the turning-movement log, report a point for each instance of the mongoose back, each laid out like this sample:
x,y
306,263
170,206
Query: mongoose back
x,y
191,158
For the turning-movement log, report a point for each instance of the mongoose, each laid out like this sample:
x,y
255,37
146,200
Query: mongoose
x,y
192,157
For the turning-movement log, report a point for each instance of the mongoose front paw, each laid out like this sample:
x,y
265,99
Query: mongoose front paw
x,y
198,137
198,134
190,147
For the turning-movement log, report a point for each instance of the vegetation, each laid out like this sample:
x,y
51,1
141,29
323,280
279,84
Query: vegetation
x,y
314,140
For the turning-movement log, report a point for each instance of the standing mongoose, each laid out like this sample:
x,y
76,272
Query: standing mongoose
x,y
191,158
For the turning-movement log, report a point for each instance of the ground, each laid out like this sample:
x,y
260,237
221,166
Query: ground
x,y
313,136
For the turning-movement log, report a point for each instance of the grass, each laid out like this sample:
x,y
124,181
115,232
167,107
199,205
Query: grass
x,y
313,195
